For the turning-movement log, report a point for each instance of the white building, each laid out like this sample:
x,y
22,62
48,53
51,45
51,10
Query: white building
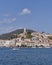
x,y
7,43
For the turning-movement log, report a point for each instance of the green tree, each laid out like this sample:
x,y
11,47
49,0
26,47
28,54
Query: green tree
x,y
50,37
29,35
22,38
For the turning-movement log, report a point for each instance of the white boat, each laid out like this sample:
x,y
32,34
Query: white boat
x,y
15,48
33,47
47,47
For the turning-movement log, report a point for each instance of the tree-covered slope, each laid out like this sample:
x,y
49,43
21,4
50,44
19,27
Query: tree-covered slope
x,y
13,33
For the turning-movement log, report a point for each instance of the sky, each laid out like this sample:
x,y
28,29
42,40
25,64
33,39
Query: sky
x,y
31,14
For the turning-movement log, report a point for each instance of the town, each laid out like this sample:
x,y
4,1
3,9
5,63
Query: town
x,y
29,40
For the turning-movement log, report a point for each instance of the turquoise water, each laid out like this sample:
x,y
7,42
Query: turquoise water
x,y
26,56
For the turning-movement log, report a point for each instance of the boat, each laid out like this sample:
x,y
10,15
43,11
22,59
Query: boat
x,y
15,48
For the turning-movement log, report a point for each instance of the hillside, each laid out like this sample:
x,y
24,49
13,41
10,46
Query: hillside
x,y
13,33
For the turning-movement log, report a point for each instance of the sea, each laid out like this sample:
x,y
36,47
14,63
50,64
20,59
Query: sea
x,y
26,56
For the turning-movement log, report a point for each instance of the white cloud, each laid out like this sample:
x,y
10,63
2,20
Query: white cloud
x,y
6,15
8,20
25,11
14,19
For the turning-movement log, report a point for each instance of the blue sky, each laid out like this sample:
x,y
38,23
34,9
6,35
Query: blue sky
x,y
32,14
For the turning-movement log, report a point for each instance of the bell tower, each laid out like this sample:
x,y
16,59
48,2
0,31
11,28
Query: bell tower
x,y
24,30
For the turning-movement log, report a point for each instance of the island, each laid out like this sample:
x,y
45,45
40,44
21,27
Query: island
x,y
26,38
